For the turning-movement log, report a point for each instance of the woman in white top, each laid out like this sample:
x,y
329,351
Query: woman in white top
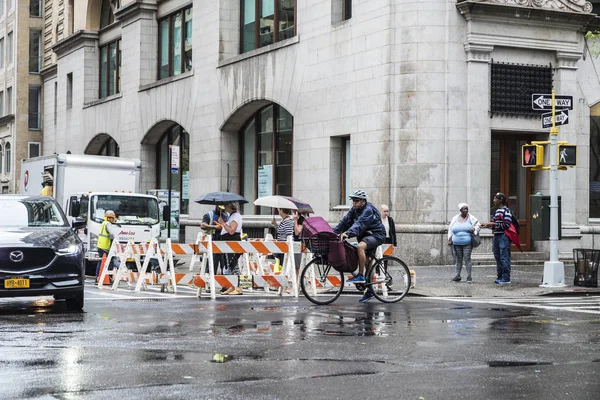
x,y
460,231
232,231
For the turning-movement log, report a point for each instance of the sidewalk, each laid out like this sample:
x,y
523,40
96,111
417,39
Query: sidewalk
x,y
525,281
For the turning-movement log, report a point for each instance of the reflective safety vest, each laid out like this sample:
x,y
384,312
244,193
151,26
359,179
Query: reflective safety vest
x,y
104,240
46,191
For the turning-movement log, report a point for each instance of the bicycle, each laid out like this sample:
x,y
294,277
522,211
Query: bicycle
x,y
387,277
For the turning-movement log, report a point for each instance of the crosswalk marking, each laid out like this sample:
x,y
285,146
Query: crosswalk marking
x,y
587,305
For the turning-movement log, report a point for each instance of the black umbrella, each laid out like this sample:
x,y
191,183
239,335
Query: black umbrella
x,y
220,198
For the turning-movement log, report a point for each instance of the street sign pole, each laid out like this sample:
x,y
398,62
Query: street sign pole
x,y
554,270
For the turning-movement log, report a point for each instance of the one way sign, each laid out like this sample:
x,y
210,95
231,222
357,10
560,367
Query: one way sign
x,y
562,118
544,101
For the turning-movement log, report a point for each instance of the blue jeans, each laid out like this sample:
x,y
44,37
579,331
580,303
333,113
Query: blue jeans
x,y
501,246
113,262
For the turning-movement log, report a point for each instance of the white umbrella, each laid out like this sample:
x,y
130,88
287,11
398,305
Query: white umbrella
x,y
275,201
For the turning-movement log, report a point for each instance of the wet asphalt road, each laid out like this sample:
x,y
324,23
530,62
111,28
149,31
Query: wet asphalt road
x,y
144,347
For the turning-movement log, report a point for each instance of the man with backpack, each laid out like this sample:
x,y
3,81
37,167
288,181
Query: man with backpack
x,y
501,223
363,221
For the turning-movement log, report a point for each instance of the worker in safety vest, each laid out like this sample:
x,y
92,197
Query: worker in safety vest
x,y
105,237
211,227
47,184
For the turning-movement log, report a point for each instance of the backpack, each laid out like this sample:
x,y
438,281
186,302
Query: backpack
x,y
515,222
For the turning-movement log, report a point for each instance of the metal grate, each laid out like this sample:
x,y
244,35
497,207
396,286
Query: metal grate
x,y
513,85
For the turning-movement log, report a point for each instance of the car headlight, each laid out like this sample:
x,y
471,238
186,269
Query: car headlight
x,y
68,248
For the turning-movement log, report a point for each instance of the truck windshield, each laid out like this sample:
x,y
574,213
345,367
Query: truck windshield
x,y
133,210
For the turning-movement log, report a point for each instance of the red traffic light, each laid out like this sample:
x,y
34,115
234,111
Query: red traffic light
x,y
532,155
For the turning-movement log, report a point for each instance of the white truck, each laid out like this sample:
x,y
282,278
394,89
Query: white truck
x,y
86,186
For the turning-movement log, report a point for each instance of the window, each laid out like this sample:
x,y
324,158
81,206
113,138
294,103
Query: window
x,y
512,86
55,102
107,14
176,136
34,149
594,198
2,53
2,103
35,114
1,154
347,9
9,48
7,152
9,109
339,171
35,8
35,51
69,90
266,159
110,69
265,22
175,44
1,8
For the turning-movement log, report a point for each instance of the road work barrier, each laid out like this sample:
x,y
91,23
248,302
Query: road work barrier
x,y
247,278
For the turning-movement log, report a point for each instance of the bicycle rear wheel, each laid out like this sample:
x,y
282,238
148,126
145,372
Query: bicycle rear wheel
x,y
389,279
320,282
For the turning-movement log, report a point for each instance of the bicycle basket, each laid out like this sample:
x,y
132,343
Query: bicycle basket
x,y
319,245
343,256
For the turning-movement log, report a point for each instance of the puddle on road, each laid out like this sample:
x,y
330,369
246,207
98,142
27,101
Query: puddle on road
x,y
517,363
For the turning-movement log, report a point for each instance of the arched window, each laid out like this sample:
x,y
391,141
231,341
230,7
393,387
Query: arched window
x,y
1,154
266,159
7,157
109,148
107,14
176,136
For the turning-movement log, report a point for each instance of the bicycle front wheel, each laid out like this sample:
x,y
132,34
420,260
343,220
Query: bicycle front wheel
x,y
320,282
389,279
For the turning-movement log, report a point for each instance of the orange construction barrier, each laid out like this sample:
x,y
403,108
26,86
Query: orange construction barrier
x,y
106,277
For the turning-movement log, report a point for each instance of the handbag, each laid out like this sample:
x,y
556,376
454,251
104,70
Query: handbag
x,y
342,256
475,240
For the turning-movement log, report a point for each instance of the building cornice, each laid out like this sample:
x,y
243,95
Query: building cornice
x,y
75,41
569,13
49,72
7,119
136,10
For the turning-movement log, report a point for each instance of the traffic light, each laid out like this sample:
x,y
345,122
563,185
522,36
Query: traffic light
x,y
532,155
567,155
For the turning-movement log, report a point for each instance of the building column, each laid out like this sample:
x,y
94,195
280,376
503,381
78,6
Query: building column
x,y
475,183
573,184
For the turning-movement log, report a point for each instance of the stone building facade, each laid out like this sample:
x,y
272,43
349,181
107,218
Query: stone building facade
x,y
421,104
21,47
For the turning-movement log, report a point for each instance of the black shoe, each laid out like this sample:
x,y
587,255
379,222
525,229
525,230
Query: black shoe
x,y
456,279
469,279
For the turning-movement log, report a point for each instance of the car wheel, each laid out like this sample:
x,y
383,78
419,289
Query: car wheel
x,y
75,303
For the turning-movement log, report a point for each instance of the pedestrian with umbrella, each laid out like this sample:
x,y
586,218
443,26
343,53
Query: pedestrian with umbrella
x,y
232,231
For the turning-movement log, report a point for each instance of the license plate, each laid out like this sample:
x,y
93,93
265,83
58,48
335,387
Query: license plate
x,y
16,283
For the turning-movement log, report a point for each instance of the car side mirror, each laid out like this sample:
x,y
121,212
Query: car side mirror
x,y
166,214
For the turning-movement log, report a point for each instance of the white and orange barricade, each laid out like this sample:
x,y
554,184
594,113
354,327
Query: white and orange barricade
x,y
201,258
166,278
288,274
122,252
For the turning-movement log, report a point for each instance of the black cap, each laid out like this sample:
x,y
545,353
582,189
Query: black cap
x,y
501,196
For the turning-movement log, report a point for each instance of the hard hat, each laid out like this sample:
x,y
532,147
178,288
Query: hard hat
x,y
109,213
359,194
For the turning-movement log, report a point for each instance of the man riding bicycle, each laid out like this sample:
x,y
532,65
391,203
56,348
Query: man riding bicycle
x,y
363,221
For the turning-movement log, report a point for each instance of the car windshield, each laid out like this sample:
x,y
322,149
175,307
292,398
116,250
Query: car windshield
x,y
133,210
30,212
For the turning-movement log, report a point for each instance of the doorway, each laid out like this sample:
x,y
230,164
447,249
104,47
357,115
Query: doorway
x,y
511,178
